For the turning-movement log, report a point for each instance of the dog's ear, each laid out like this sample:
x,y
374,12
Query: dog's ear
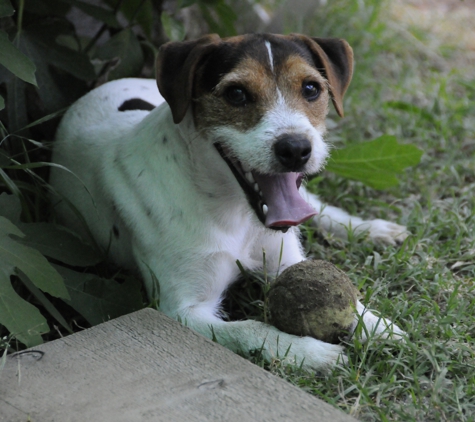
x,y
176,65
335,57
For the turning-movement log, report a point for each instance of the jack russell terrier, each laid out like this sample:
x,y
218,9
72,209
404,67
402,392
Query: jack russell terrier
x,y
183,184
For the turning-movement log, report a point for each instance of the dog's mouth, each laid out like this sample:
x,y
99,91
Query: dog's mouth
x,y
275,198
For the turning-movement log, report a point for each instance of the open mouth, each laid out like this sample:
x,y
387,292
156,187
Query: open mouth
x,y
275,198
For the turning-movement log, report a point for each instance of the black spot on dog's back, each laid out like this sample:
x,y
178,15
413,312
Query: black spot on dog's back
x,y
136,104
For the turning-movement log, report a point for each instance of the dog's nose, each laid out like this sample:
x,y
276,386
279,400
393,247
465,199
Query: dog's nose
x,y
293,151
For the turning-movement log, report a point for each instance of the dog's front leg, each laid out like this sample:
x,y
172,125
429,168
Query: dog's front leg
x,y
257,338
337,221
375,326
191,292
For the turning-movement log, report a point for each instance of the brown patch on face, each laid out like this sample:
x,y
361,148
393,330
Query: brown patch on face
x,y
213,109
292,74
263,86
235,39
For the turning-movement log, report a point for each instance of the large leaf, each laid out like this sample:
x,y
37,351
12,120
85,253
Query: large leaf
x,y
15,256
98,299
56,66
127,48
16,104
59,243
50,239
6,8
375,163
15,61
47,8
10,207
219,16
139,13
98,12
174,28
22,319
41,297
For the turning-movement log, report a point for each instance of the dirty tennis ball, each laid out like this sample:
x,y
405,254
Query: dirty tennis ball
x,y
313,298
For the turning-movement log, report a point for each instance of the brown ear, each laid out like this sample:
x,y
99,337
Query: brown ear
x,y
335,56
176,64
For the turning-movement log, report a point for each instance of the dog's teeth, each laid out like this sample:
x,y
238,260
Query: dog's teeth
x,y
245,168
256,187
249,177
265,209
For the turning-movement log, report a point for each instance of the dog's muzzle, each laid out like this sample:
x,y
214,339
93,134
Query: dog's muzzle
x,y
275,198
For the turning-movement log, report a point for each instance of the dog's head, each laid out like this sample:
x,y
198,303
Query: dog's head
x,y
261,100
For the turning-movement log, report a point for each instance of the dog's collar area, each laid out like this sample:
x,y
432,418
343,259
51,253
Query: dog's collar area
x,y
275,198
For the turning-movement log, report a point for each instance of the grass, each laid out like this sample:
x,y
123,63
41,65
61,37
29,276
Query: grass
x,y
408,83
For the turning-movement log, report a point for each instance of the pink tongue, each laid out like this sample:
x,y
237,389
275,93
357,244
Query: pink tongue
x,y
285,205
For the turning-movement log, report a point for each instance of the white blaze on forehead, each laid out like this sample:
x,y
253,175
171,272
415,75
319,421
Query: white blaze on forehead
x,y
271,57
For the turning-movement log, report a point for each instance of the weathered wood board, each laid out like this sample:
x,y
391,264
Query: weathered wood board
x,y
147,367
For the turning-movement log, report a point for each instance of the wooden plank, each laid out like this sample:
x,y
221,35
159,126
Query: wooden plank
x,y
147,367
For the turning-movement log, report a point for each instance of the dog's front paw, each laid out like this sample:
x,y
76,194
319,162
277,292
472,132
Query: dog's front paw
x,y
314,355
385,232
377,327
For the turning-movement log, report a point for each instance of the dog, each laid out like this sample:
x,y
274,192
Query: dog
x,y
182,184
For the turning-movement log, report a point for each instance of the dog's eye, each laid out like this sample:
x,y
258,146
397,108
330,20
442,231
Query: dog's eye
x,y
236,96
310,90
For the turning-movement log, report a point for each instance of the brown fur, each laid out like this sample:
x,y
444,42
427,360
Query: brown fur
x,y
178,78
211,110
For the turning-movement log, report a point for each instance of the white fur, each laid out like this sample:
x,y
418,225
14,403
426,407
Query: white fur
x,y
271,56
181,215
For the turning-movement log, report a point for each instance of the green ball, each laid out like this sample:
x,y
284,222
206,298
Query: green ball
x,y
313,298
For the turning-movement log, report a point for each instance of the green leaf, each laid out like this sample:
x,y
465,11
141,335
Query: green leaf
x,y
47,8
10,207
22,319
98,299
2,103
7,228
219,16
56,67
375,163
15,256
39,295
140,13
174,29
127,48
50,239
9,183
41,42
16,104
100,13
44,119
6,8
59,243
186,3
15,61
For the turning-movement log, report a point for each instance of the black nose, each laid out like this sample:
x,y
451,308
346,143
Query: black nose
x,y
293,151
